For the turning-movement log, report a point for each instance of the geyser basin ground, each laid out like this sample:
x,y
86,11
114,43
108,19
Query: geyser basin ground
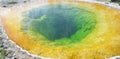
x,y
66,30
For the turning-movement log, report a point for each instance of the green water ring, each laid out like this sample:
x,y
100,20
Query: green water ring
x,y
61,24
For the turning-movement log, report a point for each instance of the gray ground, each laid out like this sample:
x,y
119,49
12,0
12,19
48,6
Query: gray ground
x,y
9,50
10,3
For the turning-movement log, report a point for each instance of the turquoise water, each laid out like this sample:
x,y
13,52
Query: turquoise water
x,y
60,23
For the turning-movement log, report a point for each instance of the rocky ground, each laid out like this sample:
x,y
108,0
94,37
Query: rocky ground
x,y
10,3
8,49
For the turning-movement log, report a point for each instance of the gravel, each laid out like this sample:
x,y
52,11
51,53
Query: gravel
x,y
9,50
10,3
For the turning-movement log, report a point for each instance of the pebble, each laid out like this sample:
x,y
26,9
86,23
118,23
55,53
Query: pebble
x,y
9,50
10,3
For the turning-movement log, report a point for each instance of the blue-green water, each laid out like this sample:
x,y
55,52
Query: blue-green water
x,y
60,23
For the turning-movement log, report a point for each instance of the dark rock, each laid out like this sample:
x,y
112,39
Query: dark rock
x,y
115,0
